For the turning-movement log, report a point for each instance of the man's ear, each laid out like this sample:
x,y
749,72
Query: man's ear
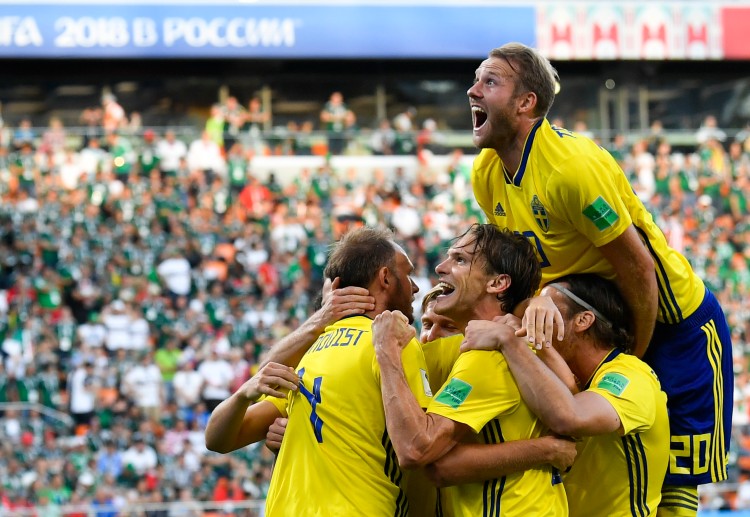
x,y
583,321
385,278
498,284
528,102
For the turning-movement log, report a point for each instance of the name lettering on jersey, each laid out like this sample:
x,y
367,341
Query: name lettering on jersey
x,y
455,393
615,383
339,337
561,132
601,214
540,214
499,210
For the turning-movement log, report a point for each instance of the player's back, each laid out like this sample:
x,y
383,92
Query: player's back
x,y
336,457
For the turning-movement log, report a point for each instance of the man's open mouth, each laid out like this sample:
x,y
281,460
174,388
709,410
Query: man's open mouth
x,y
478,116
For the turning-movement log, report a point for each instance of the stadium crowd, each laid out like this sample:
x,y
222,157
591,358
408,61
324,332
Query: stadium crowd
x,y
143,276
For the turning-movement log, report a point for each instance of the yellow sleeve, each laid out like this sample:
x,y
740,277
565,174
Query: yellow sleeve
x,y
281,404
479,388
589,194
629,392
440,356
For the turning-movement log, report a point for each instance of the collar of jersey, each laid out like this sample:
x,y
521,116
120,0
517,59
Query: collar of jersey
x,y
614,353
516,179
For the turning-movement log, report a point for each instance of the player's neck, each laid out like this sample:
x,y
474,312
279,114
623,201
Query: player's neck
x,y
512,153
588,360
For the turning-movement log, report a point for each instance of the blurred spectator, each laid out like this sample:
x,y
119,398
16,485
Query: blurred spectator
x,y
170,152
405,141
24,134
216,125
143,385
336,118
710,130
217,377
383,139
205,158
175,272
82,389
113,115
255,120
138,459
234,116
188,387
53,138
148,154
116,320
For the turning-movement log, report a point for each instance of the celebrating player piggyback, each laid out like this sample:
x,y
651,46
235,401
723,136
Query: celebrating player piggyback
x,y
573,202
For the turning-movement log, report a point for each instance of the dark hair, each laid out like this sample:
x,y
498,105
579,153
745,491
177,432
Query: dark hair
x,y
507,253
535,73
358,256
605,297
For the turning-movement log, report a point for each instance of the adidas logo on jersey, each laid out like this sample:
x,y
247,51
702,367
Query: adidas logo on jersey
x,y
499,210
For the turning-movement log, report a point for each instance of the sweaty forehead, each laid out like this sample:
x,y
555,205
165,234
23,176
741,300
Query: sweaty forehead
x,y
495,66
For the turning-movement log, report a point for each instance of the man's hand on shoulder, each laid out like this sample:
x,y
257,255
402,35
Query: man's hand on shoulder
x,y
539,321
340,302
269,380
488,335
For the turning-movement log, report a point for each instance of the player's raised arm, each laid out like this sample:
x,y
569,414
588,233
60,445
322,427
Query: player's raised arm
x,y
636,279
237,422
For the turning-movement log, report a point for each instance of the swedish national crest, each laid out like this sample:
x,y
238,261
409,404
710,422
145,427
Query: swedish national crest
x,y
540,213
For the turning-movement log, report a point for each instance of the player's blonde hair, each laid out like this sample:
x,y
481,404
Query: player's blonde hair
x,y
535,73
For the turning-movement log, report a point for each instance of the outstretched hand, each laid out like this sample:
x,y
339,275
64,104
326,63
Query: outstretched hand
x,y
270,380
539,320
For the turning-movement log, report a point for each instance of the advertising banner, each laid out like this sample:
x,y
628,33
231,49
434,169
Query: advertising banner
x,y
245,30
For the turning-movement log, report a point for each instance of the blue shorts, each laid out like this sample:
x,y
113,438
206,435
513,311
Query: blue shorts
x,y
693,360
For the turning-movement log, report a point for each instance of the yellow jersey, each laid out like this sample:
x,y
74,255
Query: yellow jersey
x,y
336,457
570,197
440,356
619,476
481,393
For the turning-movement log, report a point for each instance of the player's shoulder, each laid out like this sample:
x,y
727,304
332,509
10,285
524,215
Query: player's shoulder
x,y
630,369
485,160
481,360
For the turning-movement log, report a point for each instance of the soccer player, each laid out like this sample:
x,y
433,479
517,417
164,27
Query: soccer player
x,y
336,458
621,410
488,272
571,200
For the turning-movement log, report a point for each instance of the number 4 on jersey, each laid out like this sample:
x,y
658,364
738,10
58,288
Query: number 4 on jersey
x,y
313,397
